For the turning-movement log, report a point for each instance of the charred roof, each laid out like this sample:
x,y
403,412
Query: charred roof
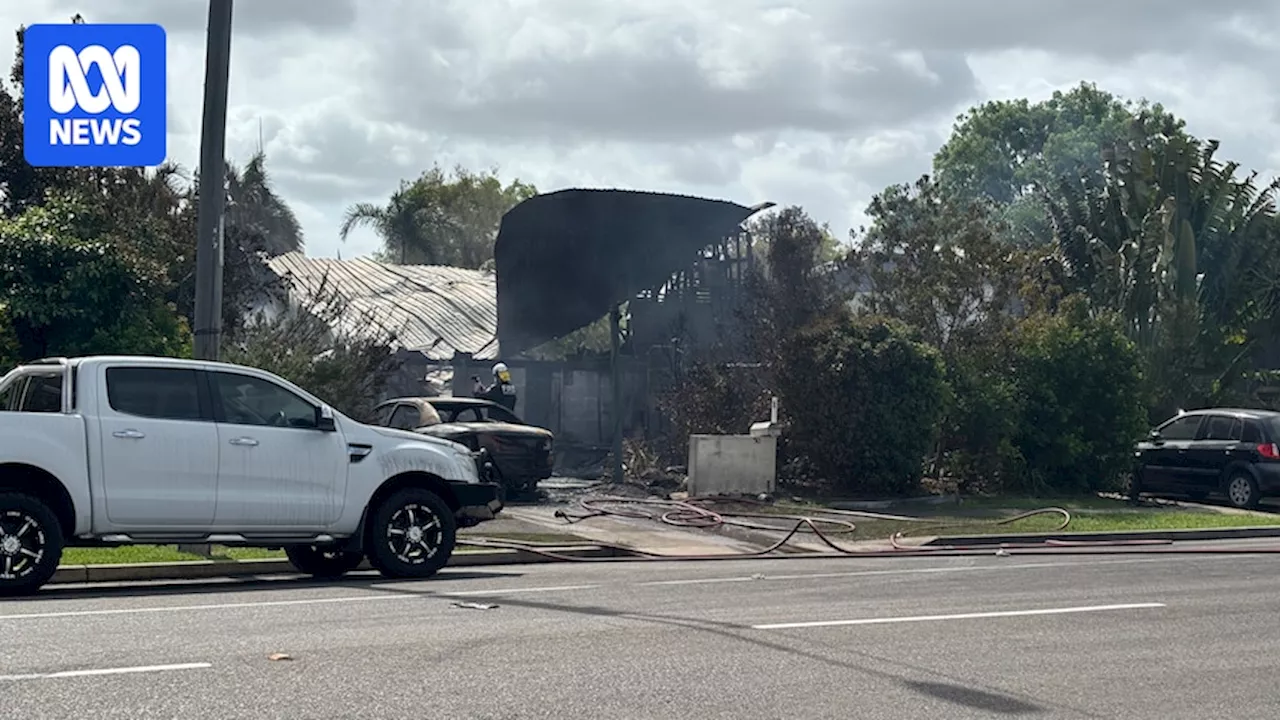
x,y
564,259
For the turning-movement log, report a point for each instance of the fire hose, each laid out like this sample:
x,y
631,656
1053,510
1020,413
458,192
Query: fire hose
x,y
696,513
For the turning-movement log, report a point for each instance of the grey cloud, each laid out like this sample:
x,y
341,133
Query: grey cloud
x,y
645,80
255,18
337,143
1112,29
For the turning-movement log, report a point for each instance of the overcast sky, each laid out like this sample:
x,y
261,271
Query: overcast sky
x,y
819,103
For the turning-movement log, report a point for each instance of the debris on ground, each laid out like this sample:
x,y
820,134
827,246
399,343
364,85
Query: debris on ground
x,y
279,656
474,605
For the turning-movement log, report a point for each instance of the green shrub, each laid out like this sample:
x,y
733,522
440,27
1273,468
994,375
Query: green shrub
x,y
977,448
862,398
10,351
1081,393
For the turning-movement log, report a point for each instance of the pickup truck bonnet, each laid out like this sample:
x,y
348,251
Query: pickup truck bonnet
x,y
397,434
414,452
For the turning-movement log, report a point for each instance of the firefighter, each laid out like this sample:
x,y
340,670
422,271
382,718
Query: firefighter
x,y
501,391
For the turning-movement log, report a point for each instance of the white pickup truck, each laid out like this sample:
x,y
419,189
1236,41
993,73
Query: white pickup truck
x,y
118,450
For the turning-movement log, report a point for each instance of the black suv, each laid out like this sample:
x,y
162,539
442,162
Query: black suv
x,y
1223,450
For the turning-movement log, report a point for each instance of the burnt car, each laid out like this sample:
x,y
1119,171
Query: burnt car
x,y
520,454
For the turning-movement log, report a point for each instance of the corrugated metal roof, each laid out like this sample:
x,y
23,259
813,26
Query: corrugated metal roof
x,y
433,309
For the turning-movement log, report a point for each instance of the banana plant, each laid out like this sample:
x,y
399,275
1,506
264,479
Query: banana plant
x,y
1181,249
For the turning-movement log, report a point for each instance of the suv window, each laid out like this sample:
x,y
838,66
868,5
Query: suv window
x,y
1223,428
1252,432
44,394
168,393
251,401
1183,428
405,417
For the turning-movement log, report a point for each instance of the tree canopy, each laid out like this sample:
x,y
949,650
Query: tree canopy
x,y
1006,150
439,218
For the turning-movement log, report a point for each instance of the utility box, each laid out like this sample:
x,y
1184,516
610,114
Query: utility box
x,y
732,464
736,464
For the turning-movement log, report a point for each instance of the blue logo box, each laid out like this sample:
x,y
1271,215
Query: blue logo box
x,y
94,95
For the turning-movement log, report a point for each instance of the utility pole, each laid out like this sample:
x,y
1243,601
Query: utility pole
x,y
615,384
213,141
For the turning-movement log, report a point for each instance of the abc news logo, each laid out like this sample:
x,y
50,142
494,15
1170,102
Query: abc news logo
x,y
96,95
69,90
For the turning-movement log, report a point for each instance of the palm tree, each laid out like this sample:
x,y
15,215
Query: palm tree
x,y
253,203
441,219
412,229
1179,247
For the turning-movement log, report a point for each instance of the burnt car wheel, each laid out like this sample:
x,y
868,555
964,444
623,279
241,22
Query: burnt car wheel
x,y
411,534
323,562
30,544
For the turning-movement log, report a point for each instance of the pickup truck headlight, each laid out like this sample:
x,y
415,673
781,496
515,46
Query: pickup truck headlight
x,y
467,460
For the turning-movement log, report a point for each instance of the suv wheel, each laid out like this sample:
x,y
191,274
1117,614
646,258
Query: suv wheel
x,y
411,534
30,544
1131,485
1242,490
323,562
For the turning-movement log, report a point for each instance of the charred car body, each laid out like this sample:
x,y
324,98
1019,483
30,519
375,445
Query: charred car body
x,y
518,455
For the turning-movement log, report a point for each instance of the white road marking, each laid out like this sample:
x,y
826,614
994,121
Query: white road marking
x,y
510,591
282,603
958,616
215,606
106,671
934,570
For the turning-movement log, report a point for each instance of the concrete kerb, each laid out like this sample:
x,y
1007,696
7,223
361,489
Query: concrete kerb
x,y
880,505
1236,533
204,569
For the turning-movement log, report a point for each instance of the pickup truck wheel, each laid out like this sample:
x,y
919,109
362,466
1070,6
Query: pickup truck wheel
x,y
323,562
30,544
411,534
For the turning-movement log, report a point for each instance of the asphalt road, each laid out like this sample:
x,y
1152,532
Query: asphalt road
x,y
1045,637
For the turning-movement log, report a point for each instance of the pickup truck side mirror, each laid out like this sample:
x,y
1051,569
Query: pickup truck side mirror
x,y
1155,436
324,419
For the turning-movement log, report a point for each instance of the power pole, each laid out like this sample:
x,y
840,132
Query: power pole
x,y
213,141
615,384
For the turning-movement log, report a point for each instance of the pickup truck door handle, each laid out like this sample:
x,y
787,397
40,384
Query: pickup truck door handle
x,y
129,434
245,441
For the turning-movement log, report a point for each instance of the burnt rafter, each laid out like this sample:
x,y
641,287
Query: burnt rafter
x,y
563,259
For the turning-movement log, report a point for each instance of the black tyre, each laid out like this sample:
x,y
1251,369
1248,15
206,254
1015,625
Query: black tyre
x,y
30,544
411,534
1132,485
323,562
1242,490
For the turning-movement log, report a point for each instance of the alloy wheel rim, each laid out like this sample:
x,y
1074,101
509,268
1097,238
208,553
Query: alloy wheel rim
x,y
22,544
414,534
1239,490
